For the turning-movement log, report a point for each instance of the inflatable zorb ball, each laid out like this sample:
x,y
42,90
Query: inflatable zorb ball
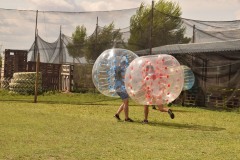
x,y
154,80
189,78
109,69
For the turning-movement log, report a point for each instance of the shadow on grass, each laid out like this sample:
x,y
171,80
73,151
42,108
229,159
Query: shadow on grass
x,y
60,102
181,111
92,103
186,126
220,109
17,100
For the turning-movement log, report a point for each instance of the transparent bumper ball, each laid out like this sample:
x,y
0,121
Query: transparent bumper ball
x,y
189,78
109,69
154,80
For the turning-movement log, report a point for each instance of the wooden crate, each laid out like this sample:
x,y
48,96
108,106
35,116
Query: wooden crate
x,y
190,99
14,61
50,75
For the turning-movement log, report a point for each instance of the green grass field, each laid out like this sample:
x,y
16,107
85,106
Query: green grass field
x,y
81,126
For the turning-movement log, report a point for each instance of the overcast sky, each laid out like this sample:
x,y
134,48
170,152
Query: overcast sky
x,y
17,29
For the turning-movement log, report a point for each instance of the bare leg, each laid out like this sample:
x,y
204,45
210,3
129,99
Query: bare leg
x,y
120,109
146,111
165,109
125,108
162,108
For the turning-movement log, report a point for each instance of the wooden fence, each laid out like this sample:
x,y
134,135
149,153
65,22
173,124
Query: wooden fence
x,y
50,75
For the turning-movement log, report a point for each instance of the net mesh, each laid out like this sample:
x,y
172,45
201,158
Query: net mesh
x,y
210,48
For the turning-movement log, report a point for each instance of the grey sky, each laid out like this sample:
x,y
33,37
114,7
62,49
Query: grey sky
x,y
17,29
196,9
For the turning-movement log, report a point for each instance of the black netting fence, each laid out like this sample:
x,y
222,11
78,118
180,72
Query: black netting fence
x,y
210,48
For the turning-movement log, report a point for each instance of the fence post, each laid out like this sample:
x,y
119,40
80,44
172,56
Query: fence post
x,y
37,62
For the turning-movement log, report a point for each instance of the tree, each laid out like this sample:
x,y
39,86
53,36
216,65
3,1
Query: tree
x,y
105,38
76,47
166,29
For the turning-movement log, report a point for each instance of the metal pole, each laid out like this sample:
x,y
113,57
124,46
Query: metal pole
x,y
37,61
229,74
151,30
206,72
193,36
34,52
60,49
37,75
60,61
96,36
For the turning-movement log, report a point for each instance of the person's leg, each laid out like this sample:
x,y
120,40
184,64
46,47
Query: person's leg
x,y
162,108
154,107
126,111
119,111
146,111
124,96
165,109
125,107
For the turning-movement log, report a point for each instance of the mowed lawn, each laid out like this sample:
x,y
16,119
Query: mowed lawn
x,y
81,126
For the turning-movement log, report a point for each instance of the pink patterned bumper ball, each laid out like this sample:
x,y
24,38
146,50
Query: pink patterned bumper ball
x,y
154,80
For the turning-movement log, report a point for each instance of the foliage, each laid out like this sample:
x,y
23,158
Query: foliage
x,y
91,47
75,48
167,26
103,38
